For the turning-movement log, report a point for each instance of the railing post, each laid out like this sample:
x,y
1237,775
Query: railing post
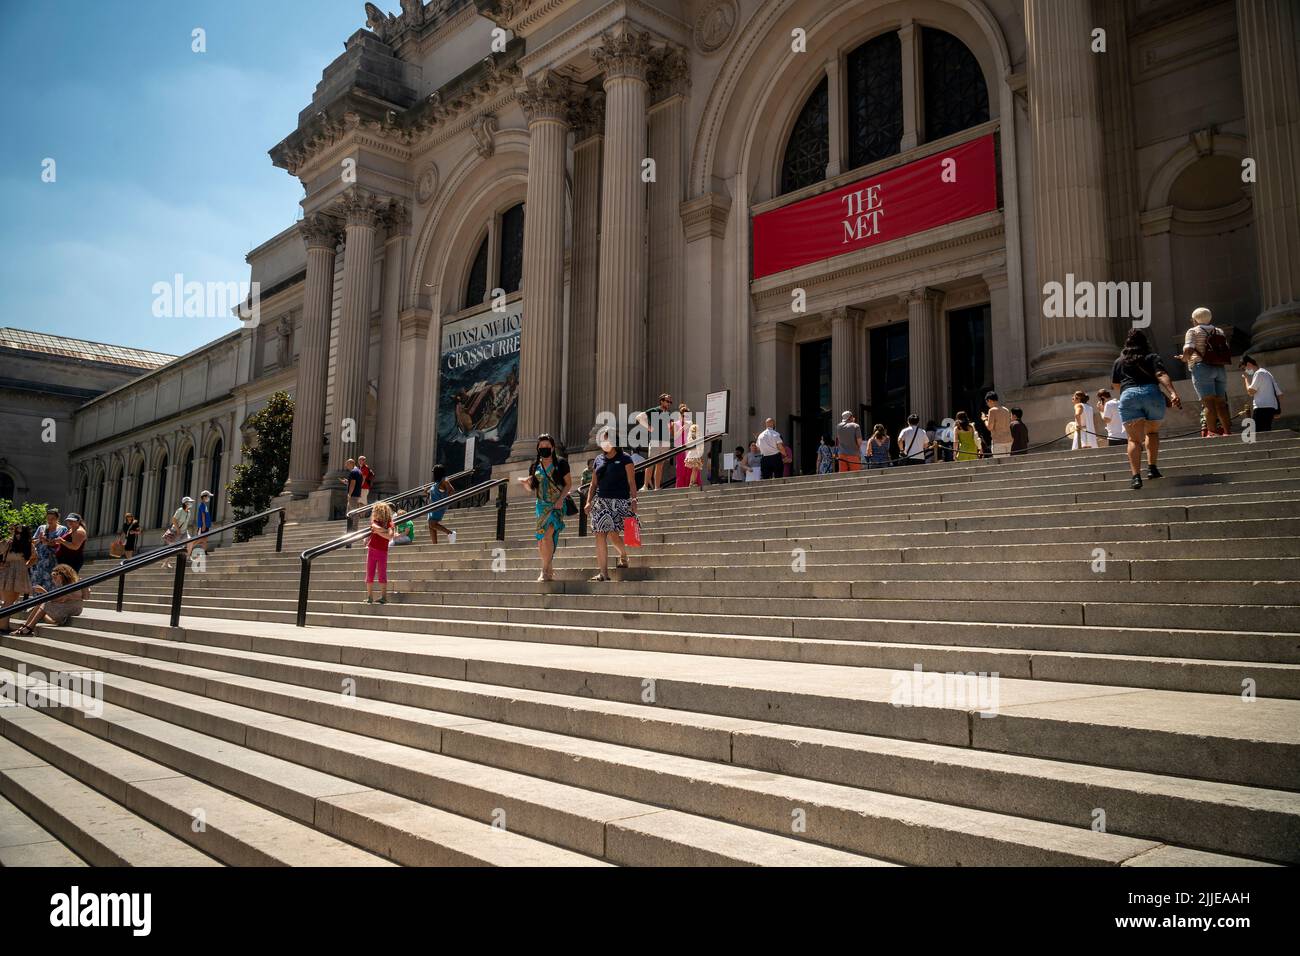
x,y
279,534
178,586
501,511
121,590
304,579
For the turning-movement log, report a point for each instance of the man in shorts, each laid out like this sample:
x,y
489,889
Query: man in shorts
x,y
1204,351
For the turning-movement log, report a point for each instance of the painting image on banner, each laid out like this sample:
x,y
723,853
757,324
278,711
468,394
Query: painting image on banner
x,y
478,389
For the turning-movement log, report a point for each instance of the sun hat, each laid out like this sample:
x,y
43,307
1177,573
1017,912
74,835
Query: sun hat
x,y
187,500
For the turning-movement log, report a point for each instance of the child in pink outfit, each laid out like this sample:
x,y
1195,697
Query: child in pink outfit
x,y
381,532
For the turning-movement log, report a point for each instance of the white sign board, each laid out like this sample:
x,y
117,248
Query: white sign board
x,y
729,461
469,452
715,412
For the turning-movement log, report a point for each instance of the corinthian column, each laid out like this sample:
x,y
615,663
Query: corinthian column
x,y
1267,35
922,353
666,342
1069,182
361,211
320,232
585,278
620,312
547,102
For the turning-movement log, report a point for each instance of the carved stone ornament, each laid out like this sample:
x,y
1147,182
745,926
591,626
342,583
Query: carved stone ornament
x,y
547,97
360,208
319,231
484,129
714,26
626,54
427,184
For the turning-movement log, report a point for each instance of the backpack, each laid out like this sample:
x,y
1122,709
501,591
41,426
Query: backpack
x,y
1217,349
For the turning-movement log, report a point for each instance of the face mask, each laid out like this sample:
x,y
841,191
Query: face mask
x,y
543,453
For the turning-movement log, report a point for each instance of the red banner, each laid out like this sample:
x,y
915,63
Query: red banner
x,y
921,195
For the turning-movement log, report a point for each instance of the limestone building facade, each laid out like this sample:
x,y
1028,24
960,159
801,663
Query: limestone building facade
x,y
520,213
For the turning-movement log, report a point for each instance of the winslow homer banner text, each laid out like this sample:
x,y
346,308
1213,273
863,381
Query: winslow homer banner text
x,y
939,189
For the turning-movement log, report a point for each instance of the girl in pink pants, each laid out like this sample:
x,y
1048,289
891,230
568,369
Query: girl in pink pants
x,y
381,532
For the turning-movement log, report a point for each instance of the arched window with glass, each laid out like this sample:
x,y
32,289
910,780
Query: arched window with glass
x,y
956,96
498,262
807,151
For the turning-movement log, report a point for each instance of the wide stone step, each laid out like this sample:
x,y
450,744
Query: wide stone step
x,y
95,828
1208,736
227,828
24,842
517,803
414,709
608,775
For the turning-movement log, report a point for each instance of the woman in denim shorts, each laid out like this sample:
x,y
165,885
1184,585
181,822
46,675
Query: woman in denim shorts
x,y
1142,382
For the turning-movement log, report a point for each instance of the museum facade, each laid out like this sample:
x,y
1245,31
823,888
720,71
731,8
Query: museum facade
x,y
521,213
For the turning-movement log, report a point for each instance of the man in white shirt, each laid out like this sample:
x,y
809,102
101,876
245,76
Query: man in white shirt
x,y
1264,393
772,449
1115,434
912,442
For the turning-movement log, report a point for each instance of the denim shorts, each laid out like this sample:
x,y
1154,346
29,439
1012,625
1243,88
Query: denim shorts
x,y
1141,401
1210,380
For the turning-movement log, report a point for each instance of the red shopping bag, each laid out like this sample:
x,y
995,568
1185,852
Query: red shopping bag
x,y
632,532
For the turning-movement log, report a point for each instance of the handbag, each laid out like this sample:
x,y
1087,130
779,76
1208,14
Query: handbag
x,y
632,532
169,536
570,509
117,549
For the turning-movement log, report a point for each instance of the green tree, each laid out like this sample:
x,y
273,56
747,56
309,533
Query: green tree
x,y
261,475
30,513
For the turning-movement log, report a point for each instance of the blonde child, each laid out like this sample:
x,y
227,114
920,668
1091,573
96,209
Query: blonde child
x,y
695,458
381,532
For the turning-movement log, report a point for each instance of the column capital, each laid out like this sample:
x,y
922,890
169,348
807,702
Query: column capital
x,y
922,295
669,74
589,119
319,231
782,332
548,98
624,53
360,208
706,216
995,280
396,217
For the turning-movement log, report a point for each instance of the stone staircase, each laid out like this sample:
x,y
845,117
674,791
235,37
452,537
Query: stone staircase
x,y
1019,662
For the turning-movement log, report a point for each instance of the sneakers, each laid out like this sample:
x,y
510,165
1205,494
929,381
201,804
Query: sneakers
x,y
1153,472
1136,483
451,537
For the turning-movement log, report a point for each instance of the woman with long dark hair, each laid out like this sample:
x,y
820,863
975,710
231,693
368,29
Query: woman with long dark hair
x,y
550,480
1144,389
15,552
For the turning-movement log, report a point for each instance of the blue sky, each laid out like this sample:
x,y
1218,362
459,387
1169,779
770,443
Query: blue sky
x,y
160,151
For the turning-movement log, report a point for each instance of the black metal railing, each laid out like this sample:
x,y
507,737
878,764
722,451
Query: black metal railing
x,y
419,491
143,560
653,460
346,540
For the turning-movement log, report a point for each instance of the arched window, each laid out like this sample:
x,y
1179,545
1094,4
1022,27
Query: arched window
x,y
7,486
956,96
109,521
874,92
137,486
160,499
808,150
187,474
512,248
214,479
476,288
95,515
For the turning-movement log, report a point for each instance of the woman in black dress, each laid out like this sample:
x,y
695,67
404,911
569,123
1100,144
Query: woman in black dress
x,y
130,533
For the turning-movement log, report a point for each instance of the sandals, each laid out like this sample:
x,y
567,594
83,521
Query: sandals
x,y
24,630
622,563
599,577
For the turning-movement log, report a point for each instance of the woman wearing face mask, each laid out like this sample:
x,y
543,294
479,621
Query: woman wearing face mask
x,y
610,502
550,480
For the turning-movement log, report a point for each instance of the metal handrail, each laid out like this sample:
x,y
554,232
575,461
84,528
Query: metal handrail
x,y
401,494
346,539
122,570
676,450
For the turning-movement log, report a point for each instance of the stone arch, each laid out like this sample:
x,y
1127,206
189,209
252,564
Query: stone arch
x,y
1163,179
755,84
473,186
